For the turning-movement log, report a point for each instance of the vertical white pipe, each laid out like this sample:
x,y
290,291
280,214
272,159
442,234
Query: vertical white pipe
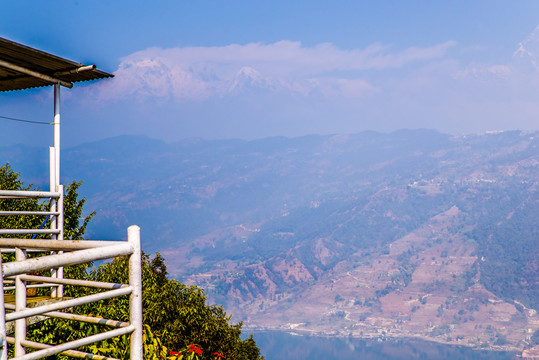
x,y
60,225
3,335
20,304
54,219
135,300
52,168
57,132
56,292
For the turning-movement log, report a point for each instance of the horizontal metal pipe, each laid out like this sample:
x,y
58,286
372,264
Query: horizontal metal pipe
x,y
75,71
85,283
35,74
28,231
77,317
75,344
72,353
67,304
8,213
56,244
5,251
65,259
31,286
15,194
87,319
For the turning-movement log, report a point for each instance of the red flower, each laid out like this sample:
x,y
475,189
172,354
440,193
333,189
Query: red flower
x,y
195,349
174,353
218,355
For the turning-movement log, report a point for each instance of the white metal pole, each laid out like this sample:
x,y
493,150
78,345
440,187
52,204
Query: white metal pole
x,y
52,169
71,245
60,222
3,334
40,354
71,353
87,319
20,304
57,292
27,312
60,226
135,300
72,258
85,283
57,132
23,194
53,206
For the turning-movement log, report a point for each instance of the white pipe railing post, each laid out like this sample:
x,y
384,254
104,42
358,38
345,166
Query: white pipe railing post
x,y
69,252
60,225
53,207
57,134
3,332
56,168
135,300
68,258
20,304
52,169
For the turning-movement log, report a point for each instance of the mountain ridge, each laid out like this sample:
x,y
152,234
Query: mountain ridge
x,y
411,233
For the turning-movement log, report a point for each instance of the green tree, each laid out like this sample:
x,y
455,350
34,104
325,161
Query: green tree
x,y
10,180
177,313
74,223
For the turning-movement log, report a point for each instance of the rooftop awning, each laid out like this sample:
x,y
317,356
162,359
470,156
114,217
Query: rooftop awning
x,y
23,67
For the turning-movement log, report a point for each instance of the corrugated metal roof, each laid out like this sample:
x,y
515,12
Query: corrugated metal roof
x,y
40,62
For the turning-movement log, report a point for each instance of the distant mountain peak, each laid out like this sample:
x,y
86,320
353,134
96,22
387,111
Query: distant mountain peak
x,y
528,49
249,72
248,78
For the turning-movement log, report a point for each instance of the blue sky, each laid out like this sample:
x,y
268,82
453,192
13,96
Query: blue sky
x,y
252,69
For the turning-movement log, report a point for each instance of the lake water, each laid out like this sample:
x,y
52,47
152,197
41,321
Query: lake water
x,y
277,345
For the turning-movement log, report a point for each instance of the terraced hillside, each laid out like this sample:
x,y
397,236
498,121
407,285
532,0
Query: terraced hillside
x,y
413,233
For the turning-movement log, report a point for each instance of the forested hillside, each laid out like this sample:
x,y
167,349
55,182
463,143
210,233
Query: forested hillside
x,y
335,233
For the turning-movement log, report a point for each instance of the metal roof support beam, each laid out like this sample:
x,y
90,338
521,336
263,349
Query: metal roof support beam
x,y
75,71
35,74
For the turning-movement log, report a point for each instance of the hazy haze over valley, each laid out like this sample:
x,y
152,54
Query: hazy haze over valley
x,y
411,233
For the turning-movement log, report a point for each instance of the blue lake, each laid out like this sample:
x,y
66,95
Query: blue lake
x,y
277,345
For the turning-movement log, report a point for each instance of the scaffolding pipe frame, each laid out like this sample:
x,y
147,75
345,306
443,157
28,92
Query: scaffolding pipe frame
x,y
69,258
23,194
53,350
85,283
71,353
48,245
77,252
66,304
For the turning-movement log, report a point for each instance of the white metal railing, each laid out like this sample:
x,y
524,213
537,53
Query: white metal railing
x,y
55,214
24,194
62,253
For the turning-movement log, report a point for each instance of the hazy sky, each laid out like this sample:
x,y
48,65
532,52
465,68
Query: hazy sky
x,y
252,69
